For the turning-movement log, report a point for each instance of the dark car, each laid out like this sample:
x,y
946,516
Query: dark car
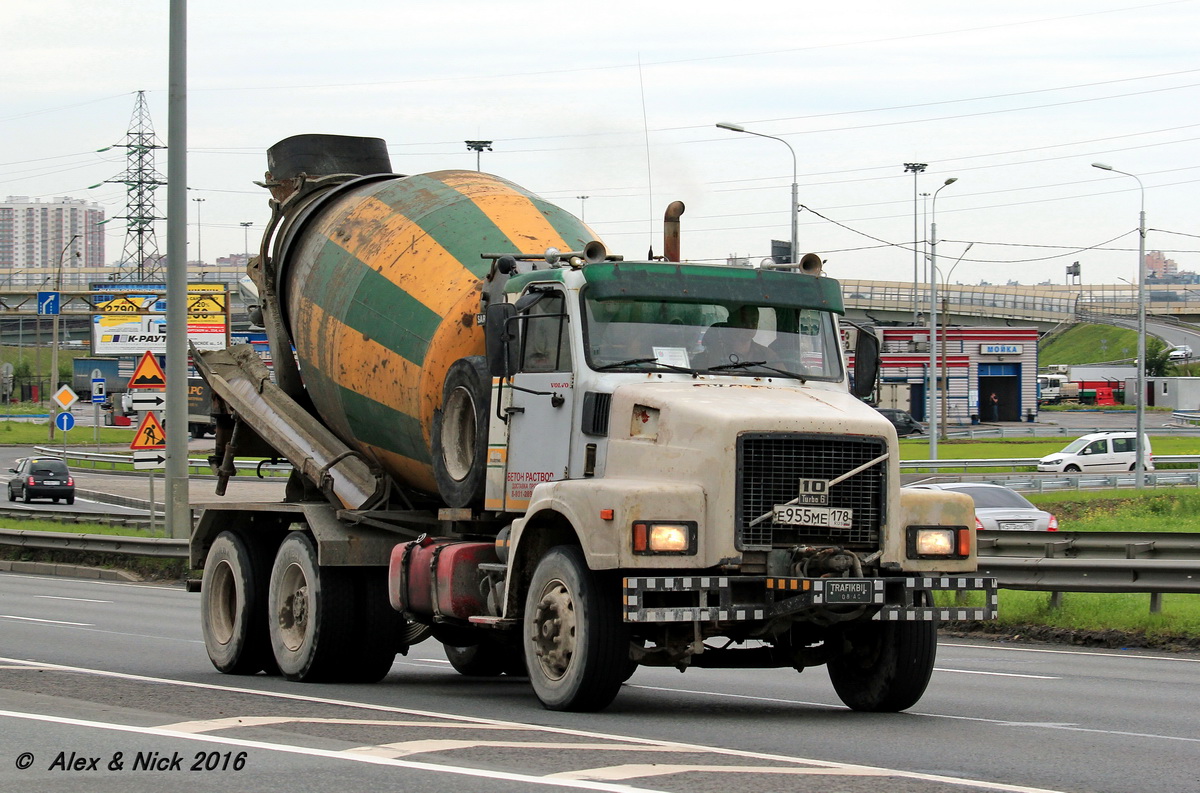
x,y
41,477
902,420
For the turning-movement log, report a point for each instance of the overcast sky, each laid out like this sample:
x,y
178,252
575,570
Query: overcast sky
x,y
618,100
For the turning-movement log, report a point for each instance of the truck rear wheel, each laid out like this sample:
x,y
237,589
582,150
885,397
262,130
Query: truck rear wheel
x,y
576,645
460,430
233,606
486,659
310,613
887,667
380,631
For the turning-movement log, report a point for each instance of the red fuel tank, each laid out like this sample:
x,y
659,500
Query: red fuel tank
x,y
439,577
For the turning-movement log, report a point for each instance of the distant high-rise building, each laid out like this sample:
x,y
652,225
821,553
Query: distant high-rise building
x,y
1159,266
34,233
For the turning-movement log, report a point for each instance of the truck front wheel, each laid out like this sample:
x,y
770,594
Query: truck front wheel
x,y
887,666
576,645
310,613
233,610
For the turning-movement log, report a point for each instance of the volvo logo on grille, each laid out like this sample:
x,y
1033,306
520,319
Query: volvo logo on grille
x,y
814,491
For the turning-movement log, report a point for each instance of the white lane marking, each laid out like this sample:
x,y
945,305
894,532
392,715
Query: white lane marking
x,y
683,747
1000,722
430,745
1128,656
996,674
62,581
642,770
87,627
79,600
1057,726
330,754
232,722
46,622
748,697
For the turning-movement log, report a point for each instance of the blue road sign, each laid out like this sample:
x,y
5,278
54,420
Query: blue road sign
x,y
98,395
47,304
64,421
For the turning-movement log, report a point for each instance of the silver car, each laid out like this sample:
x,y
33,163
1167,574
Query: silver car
x,y
999,509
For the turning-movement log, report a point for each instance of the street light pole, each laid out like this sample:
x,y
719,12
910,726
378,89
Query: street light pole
x,y
1139,465
199,251
583,207
246,224
54,332
945,370
795,251
478,146
932,418
916,168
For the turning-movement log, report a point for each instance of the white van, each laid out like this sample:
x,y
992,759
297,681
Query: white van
x,y
1100,451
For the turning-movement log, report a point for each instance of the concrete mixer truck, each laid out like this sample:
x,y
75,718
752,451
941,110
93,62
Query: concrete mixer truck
x,y
558,463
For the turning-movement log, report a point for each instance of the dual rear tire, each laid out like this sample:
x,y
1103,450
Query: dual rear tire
x,y
290,615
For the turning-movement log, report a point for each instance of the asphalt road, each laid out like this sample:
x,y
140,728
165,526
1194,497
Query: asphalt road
x,y
100,669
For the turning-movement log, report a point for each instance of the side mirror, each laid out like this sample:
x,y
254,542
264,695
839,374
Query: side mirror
x,y
500,333
866,363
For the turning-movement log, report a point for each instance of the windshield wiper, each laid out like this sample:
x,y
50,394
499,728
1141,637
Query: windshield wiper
x,y
629,362
762,364
633,361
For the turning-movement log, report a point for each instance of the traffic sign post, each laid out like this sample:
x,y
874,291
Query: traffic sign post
x,y
150,434
48,304
148,373
147,387
65,397
65,422
149,460
97,381
142,401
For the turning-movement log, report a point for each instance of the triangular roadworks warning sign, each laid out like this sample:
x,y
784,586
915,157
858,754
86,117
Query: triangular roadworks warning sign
x,y
148,373
150,434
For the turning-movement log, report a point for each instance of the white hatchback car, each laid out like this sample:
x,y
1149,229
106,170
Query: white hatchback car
x,y
1100,451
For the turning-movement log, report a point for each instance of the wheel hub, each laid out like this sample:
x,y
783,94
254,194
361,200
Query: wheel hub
x,y
293,608
553,630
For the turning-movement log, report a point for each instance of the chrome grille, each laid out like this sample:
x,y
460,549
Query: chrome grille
x,y
770,466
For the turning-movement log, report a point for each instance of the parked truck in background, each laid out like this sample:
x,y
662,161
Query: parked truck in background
x,y
115,371
553,461
199,412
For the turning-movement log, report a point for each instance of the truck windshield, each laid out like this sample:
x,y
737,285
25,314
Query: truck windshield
x,y
738,339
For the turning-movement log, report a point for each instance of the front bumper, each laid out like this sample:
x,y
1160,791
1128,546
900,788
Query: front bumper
x,y
718,599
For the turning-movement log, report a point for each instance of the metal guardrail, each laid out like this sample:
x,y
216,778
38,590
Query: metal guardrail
x,y
162,547
194,465
1023,462
1189,418
1027,430
1120,562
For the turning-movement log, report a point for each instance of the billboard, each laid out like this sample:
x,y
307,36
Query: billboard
x,y
131,321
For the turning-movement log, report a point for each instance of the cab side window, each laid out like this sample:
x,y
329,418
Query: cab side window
x,y
1097,447
546,344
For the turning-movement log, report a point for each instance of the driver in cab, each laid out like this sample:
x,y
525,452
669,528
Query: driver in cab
x,y
733,341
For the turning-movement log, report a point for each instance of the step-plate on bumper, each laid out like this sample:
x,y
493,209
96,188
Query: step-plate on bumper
x,y
653,599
